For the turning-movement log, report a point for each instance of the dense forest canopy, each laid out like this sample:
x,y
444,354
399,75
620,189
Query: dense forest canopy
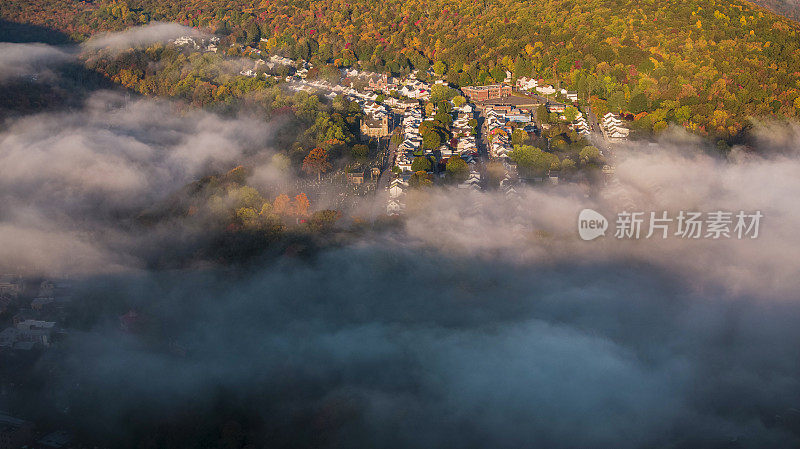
x,y
705,65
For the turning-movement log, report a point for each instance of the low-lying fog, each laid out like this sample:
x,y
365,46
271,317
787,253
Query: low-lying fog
x,y
480,322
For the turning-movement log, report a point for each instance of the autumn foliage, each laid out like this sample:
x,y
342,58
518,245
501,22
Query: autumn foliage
x,y
706,65
316,162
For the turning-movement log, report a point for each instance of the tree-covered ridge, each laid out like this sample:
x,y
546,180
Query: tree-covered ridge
x,y
706,65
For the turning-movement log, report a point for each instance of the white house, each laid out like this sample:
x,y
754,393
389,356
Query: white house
x,y
616,134
394,207
526,83
511,193
472,182
445,151
404,163
396,188
546,90
186,40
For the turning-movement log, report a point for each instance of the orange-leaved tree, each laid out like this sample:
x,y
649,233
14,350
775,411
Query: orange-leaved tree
x,y
316,162
281,204
301,204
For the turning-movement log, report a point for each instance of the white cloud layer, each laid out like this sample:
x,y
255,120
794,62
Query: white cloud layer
x,y
18,60
142,36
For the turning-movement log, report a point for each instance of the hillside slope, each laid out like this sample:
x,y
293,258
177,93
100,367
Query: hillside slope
x,y
706,65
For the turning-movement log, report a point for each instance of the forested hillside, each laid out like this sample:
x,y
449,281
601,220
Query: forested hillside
x,y
706,65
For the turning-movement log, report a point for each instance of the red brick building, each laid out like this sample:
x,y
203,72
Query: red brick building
x,y
483,93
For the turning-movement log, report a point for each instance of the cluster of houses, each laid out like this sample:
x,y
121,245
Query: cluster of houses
x,y
414,88
613,128
408,87
397,193
570,95
412,139
463,145
377,120
473,180
500,144
261,62
403,96
500,121
280,60
33,326
276,60
198,43
581,126
466,145
297,83
528,84
464,132
531,84
507,183
412,143
273,62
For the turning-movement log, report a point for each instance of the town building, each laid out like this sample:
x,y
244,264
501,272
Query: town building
x,y
378,81
546,90
473,181
483,93
374,127
355,177
555,107
525,83
614,129
397,188
394,207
